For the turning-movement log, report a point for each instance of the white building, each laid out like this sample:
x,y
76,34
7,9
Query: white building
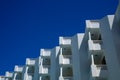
x,y
93,55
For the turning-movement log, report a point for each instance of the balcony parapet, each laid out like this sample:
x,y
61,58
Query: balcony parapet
x,y
64,41
92,24
95,45
18,68
8,74
45,52
30,61
65,60
44,69
65,78
99,71
2,77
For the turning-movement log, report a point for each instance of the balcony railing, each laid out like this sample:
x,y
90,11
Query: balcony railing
x,y
18,68
8,74
65,60
95,45
64,40
30,61
44,69
65,78
2,77
92,24
99,71
45,52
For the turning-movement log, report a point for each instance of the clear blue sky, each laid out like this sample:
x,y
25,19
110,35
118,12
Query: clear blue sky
x,y
28,25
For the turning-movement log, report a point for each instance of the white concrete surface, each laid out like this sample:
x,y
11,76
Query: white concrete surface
x,y
93,55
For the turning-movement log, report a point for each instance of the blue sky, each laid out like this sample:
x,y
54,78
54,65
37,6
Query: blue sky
x,y
28,25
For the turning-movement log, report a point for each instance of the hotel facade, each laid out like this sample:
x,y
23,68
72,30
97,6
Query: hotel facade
x,y
93,55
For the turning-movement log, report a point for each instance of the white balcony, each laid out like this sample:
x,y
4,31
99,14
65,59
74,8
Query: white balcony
x,y
18,68
44,69
8,74
30,61
95,45
65,78
99,67
65,41
99,71
29,77
45,52
92,24
2,77
65,60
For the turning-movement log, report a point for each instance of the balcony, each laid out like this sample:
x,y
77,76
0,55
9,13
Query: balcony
x,y
18,68
66,73
44,69
99,71
65,78
29,77
66,51
17,76
65,41
45,53
2,77
95,45
92,24
30,61
46,62
31,70
99,67
8,74
65,60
